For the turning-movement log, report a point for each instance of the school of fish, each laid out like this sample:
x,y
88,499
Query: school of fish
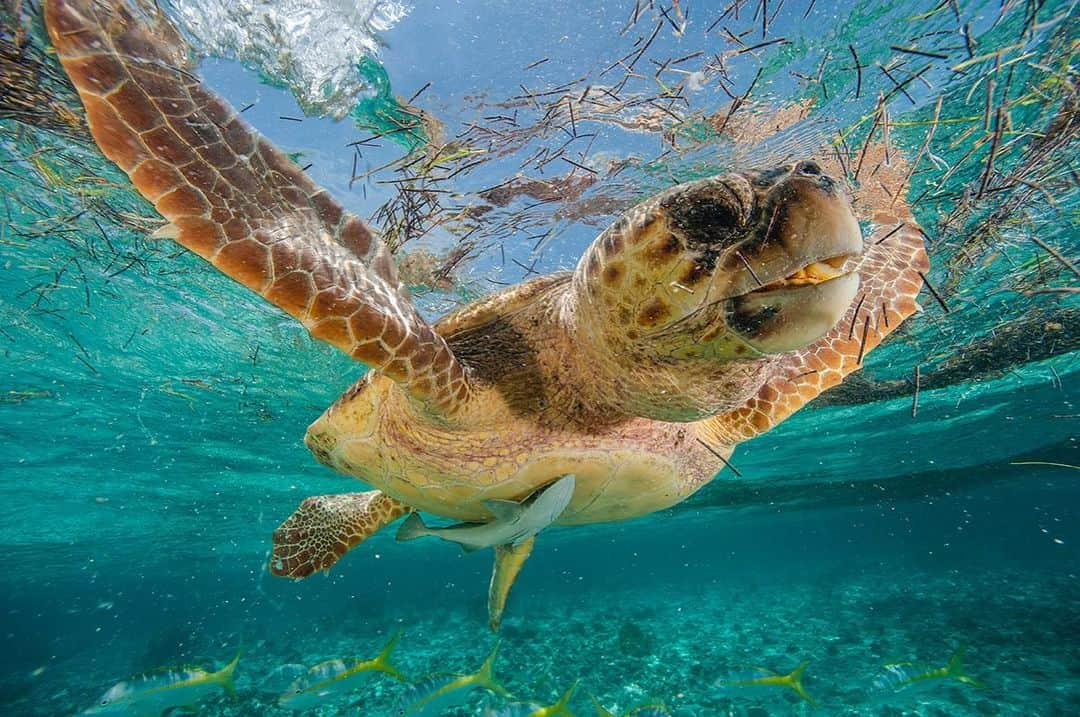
x,y
341,684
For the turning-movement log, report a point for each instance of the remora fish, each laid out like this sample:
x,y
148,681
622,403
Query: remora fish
x,y
514,523
655,710
904,675
531,709
762,677
333,678
436,694
165,691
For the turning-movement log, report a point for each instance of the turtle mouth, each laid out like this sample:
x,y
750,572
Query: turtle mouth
x,y
794,311
816,272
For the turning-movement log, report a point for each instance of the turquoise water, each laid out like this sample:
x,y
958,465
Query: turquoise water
x,y
152,411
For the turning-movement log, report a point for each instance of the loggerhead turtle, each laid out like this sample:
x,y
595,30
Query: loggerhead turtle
x,y
699,319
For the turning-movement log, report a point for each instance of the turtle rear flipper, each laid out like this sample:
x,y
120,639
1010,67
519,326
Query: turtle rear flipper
x,y
325,527
232,198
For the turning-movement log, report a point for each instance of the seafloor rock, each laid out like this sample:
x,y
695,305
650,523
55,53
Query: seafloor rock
x,y
633,641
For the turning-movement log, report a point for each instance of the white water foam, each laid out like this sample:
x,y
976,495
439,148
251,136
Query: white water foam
x,y
310,46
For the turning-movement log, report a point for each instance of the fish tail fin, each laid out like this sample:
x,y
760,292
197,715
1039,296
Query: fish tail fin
x,y
382,662
224,676
412,528
485,677
794,681
956,662
509,560
562,707
955,669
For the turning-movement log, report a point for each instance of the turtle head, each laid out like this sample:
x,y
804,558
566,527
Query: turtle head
x,y
736,266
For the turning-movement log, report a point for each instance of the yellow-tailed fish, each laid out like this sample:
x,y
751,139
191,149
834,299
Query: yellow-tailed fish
x,y
531,709
752,677
329,680
164,691
901,676
436,694
654,710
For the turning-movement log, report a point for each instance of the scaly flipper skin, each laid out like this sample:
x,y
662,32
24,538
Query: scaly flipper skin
x,y
239,203
889,284
325,527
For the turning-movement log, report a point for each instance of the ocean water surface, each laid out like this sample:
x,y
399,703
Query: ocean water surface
x,y
152,411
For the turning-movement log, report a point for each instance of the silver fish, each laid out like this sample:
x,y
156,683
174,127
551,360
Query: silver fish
x,y
164,692
751,677
514,523
329,680
436,694
902,676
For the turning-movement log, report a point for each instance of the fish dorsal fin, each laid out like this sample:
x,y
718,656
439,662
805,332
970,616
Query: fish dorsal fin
x,y
505,511
329,668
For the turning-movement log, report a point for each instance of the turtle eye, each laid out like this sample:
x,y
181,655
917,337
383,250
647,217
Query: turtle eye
x,y
768,177
104,702
297,691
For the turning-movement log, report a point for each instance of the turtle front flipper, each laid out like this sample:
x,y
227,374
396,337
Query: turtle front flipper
x,y
325,527
235,200
509,560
